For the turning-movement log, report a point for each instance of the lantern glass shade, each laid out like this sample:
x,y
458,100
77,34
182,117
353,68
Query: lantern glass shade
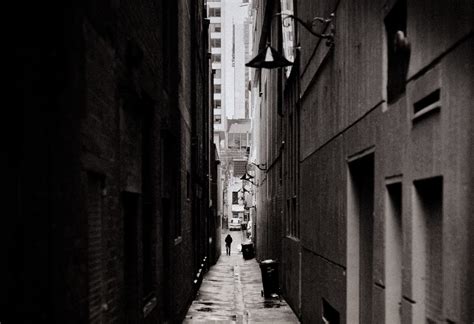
x,y
246,176
268,58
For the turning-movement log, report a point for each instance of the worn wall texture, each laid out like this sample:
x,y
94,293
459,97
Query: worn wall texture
x,y
109,155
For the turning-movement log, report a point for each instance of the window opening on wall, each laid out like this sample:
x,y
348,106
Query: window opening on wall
x,y
398,50
214,12
235,198
217,119
216,58
215,42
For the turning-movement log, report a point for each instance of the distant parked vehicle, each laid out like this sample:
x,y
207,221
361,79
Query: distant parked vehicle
x,y
235,223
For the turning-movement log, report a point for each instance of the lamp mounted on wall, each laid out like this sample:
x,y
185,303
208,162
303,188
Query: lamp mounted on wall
x,y
270,58
244,190
246,176
261,166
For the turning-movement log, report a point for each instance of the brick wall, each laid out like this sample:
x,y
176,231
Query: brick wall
x,y
100,85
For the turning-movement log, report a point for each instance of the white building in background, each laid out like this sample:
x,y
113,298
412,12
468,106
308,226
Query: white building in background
x,y
235,24
230,34
214,13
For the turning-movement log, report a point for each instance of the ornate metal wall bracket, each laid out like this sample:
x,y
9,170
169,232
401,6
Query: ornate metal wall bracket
x,y
308,25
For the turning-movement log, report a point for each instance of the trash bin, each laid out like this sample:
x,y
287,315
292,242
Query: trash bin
x,y
269,269
247,250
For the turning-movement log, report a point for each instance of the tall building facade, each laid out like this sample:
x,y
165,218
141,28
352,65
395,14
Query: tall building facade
x,y
366,197
215,13
109,163
232,134
235,26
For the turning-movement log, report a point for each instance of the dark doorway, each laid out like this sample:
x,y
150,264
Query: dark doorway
x,y
360,235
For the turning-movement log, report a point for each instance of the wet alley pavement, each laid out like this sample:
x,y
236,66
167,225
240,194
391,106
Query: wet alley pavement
x,y
231,293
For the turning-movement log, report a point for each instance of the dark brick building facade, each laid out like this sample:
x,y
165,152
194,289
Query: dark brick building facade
x,y
368,144
107,163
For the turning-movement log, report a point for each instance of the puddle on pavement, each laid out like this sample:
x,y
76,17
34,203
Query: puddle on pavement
x,y
207,303
271,304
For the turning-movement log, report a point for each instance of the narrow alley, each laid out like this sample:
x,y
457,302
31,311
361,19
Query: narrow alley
x,y
231,292
332,139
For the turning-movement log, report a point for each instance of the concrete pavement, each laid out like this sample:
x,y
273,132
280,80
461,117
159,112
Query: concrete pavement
x,y
231,293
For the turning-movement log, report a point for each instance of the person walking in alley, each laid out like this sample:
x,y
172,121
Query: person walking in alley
x,y
228,241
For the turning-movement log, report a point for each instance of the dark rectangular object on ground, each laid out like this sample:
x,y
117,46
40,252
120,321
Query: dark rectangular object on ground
x,y
247,250
269,269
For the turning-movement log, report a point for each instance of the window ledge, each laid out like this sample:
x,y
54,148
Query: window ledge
x,y
427,110
293,238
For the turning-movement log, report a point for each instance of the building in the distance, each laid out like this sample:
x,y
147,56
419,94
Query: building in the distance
x,y
214,13
232,109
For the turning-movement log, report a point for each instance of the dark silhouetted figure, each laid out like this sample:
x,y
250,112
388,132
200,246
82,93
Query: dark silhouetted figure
x,y
228,242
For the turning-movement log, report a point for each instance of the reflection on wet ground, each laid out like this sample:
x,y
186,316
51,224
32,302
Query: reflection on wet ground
x,y
231,292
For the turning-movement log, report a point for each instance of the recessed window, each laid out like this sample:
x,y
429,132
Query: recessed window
x,y
214,12
215,28
215,42
217,119
216,58
235,198
217,104
217,88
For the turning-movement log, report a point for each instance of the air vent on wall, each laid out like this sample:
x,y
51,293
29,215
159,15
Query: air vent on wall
x,y
428,104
